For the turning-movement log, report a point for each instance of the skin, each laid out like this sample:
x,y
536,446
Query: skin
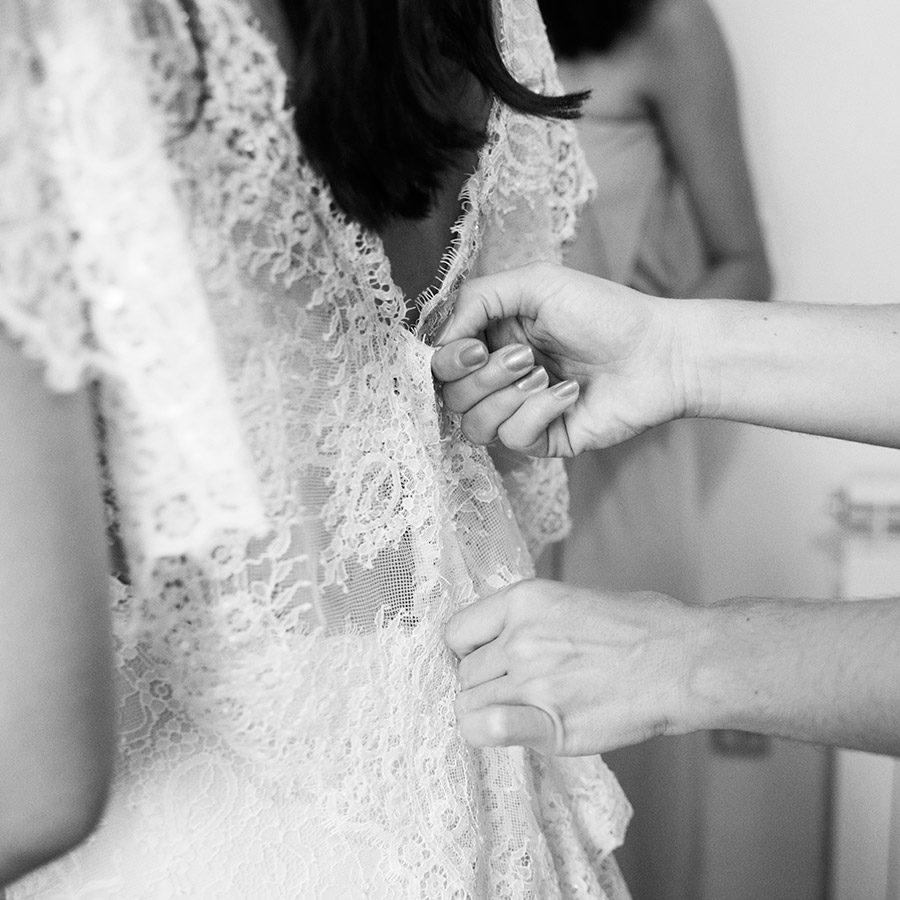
x,y
677,70
414,247
56,705
638,361
573,671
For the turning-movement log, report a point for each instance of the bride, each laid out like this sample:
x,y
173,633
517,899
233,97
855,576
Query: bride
x,y
228,234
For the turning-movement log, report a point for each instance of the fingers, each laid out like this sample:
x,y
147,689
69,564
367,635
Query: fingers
x,y
457,359
502,368
501,395
477,624
482,665
494,714
505,726
527,428
484,300
481,424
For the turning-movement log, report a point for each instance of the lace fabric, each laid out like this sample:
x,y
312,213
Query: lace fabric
x,y
300,514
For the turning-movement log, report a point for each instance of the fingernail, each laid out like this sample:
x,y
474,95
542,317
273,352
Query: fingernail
x,y
534,380
565,390
473,355
517,357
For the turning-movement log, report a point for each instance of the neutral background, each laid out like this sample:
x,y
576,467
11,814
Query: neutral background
x,y
819,82
820,86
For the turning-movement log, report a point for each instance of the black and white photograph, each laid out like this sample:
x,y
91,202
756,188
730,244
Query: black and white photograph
x,y
449,450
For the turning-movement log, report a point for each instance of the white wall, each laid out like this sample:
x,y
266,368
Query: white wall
x,y
820,81
820,87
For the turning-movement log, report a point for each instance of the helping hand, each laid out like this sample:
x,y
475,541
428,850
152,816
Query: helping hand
x,y
609,361
571,672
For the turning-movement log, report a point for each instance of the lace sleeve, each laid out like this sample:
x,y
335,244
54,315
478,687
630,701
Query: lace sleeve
x,y
40,304
98,279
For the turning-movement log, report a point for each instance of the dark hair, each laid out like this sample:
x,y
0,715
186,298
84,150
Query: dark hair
x,y
583,26
374,95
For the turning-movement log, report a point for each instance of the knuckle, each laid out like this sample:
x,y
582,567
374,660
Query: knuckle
x,y
522,646
540,692
481,379
522,597
477,430
539,268
511,438
450,636
453,398
496,726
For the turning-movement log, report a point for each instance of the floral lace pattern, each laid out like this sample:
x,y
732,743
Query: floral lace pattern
x,y
286,696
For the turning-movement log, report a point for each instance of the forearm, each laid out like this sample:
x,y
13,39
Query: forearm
x,y
826,672
829,370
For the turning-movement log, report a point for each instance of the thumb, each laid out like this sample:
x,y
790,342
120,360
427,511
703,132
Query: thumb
x,y
491,298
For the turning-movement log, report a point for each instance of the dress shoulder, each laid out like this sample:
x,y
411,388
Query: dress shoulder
x,y
41,307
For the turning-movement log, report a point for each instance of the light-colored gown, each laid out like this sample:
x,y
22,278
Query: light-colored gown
x,y
300,515
636,507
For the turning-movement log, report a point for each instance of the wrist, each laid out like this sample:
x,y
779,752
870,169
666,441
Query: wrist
x,y
712,683
688,331
687,703
745,651
706,334
749,362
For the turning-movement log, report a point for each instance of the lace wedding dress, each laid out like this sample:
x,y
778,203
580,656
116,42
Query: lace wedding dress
x,y
300,515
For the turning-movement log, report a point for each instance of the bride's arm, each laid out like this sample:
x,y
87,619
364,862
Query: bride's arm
x,y
56,709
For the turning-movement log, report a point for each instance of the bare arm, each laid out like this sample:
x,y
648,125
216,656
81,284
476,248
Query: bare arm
x,y
635,361
56,717
571,671
689,84
829,370
824,671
